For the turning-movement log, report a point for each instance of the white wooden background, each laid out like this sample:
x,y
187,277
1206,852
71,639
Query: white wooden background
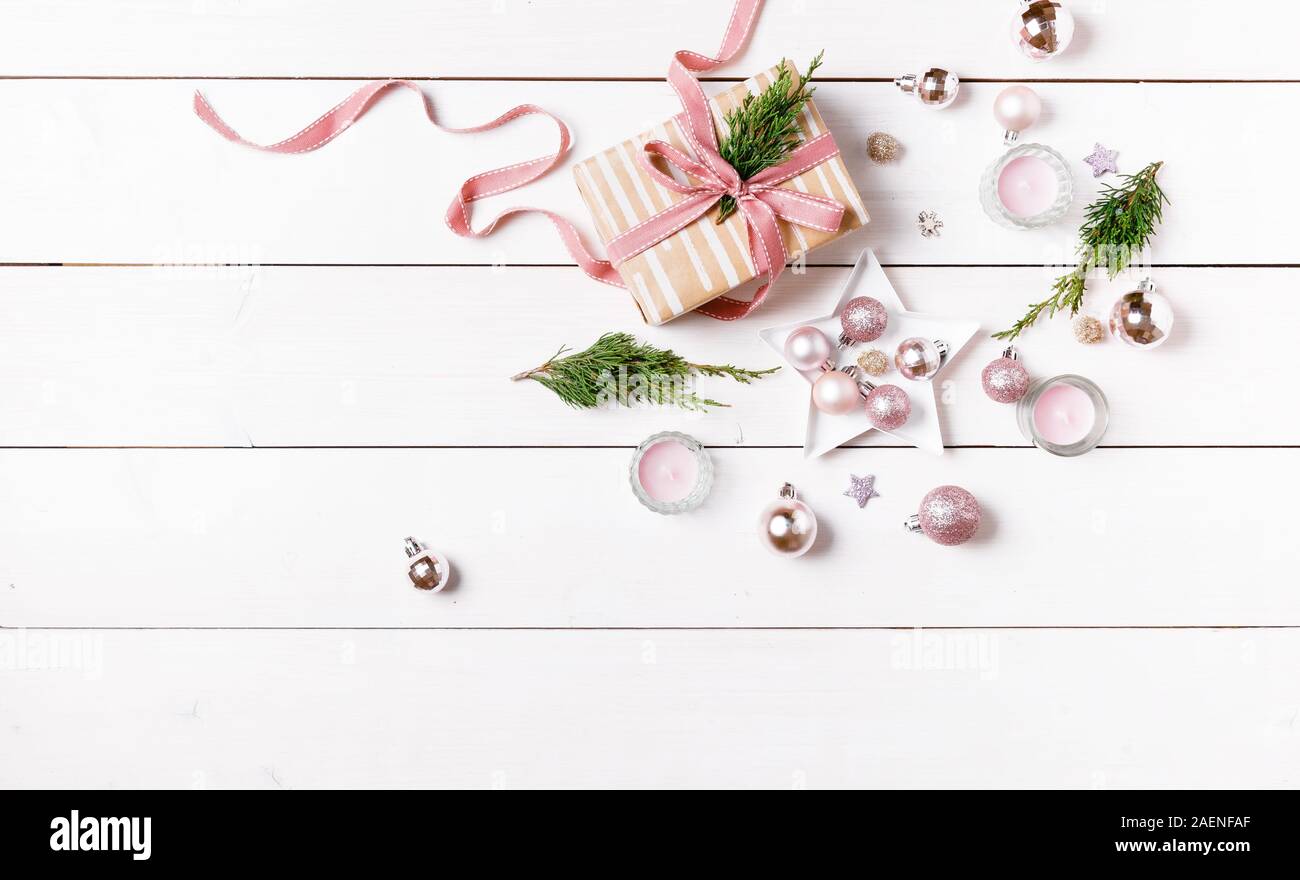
x,y
230,383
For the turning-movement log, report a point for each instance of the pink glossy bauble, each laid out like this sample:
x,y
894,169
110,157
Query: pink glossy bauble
x,y
949,515
1017,107
888,407
1005,380
836,393
864,319
807,348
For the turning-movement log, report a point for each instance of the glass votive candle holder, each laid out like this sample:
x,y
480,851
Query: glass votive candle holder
x,y
1064,415
1028,188
671,473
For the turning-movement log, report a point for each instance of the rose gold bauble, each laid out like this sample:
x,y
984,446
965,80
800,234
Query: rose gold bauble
x,y
787,527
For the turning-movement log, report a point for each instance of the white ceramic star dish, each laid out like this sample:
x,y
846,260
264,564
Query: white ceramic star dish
x,y
826,432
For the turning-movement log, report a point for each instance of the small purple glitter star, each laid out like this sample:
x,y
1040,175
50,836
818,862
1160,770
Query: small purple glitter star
x,y
862,489
1102,160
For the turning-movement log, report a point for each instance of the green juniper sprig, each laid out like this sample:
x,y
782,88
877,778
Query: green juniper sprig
x,y
1116,229
764,130
620,368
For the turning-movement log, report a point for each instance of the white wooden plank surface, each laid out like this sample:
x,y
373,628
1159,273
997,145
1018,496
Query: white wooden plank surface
x,y
113,171
1098,709
276,538
204,573
317,356
1171,39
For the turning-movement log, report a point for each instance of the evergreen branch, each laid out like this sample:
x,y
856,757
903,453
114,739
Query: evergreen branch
x,y
1116,229
621,369
1067,292
764,130
543,368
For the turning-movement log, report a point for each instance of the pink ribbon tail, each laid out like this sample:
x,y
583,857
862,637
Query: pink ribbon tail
x,y
719,174
743,16
341,117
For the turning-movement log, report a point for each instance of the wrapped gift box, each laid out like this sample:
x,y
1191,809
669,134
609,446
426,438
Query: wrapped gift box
x,y
703,260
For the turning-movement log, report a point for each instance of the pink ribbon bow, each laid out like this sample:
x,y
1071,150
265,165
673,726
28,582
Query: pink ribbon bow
x,y
760,199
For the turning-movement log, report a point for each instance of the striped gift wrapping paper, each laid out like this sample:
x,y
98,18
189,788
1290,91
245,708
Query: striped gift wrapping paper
x,y
703,260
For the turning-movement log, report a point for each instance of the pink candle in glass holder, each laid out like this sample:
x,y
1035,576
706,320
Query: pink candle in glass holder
x,y
1027,186
1064,414
668,471
671,472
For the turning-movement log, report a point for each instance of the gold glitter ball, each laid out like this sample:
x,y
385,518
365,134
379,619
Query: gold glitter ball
x,y
1088,329
874,362
882,148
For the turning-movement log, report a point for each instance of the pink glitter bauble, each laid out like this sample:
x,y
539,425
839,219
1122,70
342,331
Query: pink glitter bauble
x,y
863,319
949,515
888,407
1005,380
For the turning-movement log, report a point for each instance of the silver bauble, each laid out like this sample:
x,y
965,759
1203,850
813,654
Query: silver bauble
x,y
934,87
1042,29
1142,318
919,359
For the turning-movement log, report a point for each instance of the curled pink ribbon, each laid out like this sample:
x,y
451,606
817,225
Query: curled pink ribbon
x,y
759,198
339,119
